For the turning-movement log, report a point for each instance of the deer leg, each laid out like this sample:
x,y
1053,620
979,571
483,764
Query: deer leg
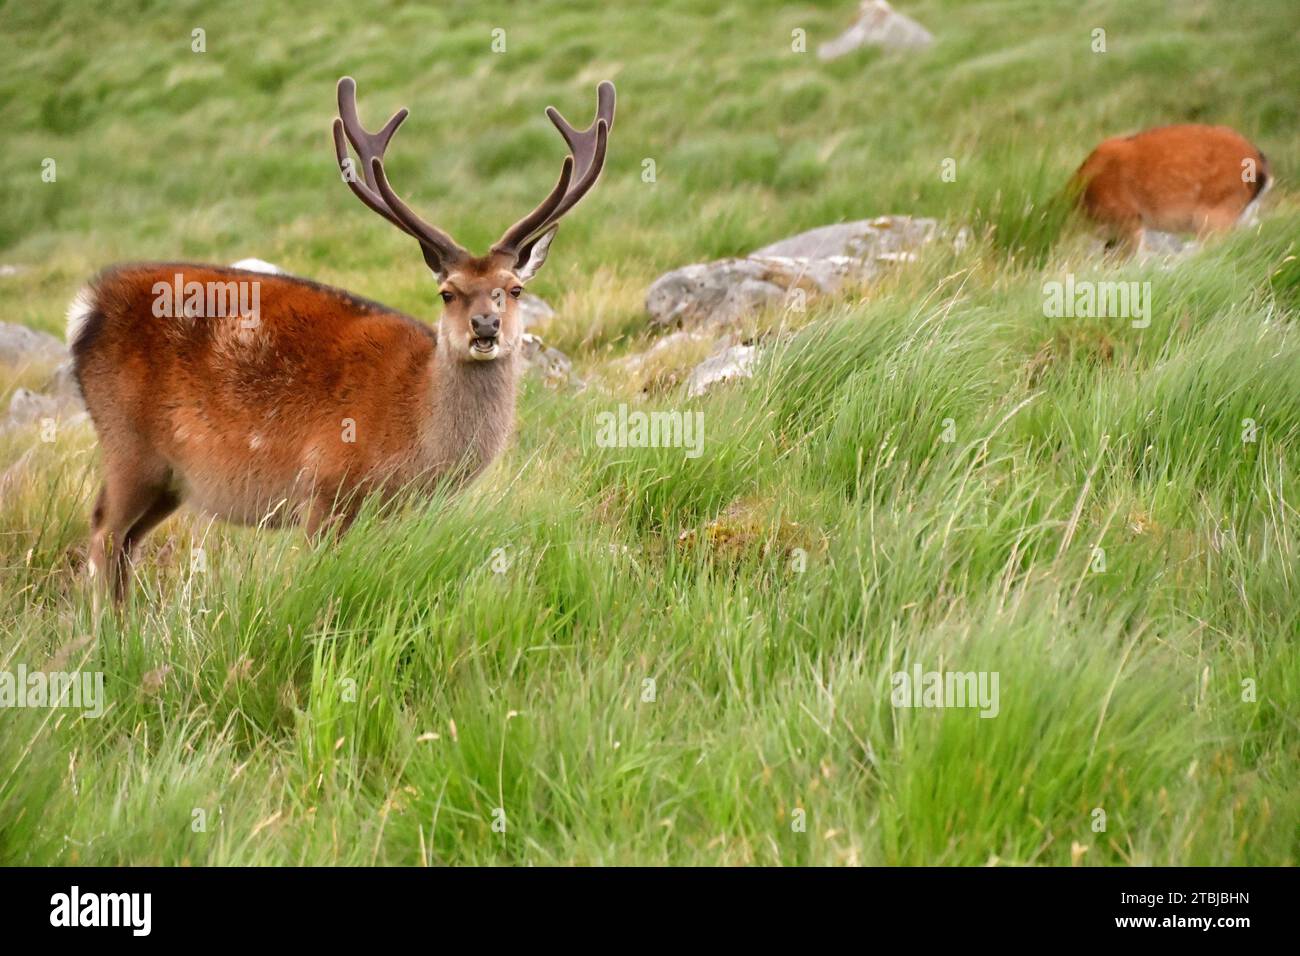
x,y
327,515
1124,244
134,490
166,502
96,559
1220,219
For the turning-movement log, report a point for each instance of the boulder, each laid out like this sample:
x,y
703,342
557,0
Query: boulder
x,y
533,310
720,294
715,293
885,239
668,361
1163,249
662,348
20,345
60,398
727,364
27,407
63,384
538,358
1165,245
878,24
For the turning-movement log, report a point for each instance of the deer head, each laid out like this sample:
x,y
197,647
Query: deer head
x,y
480,316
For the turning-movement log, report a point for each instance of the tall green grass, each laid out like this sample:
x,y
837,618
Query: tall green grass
x,y
628,655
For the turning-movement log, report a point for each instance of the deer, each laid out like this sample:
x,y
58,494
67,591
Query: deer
x,y
297,402
1183,179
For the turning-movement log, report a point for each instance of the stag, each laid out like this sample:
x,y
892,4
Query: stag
x,y
300,400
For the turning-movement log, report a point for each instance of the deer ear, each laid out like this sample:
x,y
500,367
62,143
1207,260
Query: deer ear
x,y
434,262
534,254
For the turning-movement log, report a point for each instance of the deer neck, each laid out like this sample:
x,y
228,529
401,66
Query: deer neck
x,y
472,415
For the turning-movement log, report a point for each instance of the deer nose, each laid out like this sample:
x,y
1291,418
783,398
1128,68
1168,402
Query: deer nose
x,y
485,326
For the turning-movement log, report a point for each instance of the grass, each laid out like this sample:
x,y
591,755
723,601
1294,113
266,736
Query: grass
x,y
686,661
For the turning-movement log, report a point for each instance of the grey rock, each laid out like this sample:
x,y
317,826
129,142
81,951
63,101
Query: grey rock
x,y
533,310
551,364
19,344
878,24
888,238
720,294
667,344
729,364
1163,249
63,384
27,407
717,293
1164,245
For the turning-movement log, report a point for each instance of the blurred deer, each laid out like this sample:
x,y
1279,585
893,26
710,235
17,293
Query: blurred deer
x,y
298,400
1192,178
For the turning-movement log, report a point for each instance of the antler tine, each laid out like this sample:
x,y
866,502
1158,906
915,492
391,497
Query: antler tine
x,y
582,143
372,187
586,160
367,144
361,187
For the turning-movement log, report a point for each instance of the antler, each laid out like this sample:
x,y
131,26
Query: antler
x,y
373,189
580,171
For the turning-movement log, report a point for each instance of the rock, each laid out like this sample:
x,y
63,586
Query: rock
x,y
733,362
63,384
257,265
552,365
21,345
1163,249
886,238
27,407
715,293
878,24
60,399
668,361
720,294
1164,245
662,347
533,310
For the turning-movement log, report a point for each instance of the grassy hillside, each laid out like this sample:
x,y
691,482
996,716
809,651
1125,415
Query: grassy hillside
x,y
683,654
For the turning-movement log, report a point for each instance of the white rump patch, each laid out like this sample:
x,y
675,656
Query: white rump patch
x,y
79,311
257,265
1250,215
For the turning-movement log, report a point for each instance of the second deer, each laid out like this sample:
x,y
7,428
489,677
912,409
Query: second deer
x,y
1190,179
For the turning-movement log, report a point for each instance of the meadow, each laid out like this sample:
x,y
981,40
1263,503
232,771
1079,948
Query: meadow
x,y
629,656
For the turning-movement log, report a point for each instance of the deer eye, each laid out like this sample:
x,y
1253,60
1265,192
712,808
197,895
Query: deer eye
x,y
446,296
516,291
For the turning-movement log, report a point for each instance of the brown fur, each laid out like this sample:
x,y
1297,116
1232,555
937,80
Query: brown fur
x,y
249,424
1171,179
